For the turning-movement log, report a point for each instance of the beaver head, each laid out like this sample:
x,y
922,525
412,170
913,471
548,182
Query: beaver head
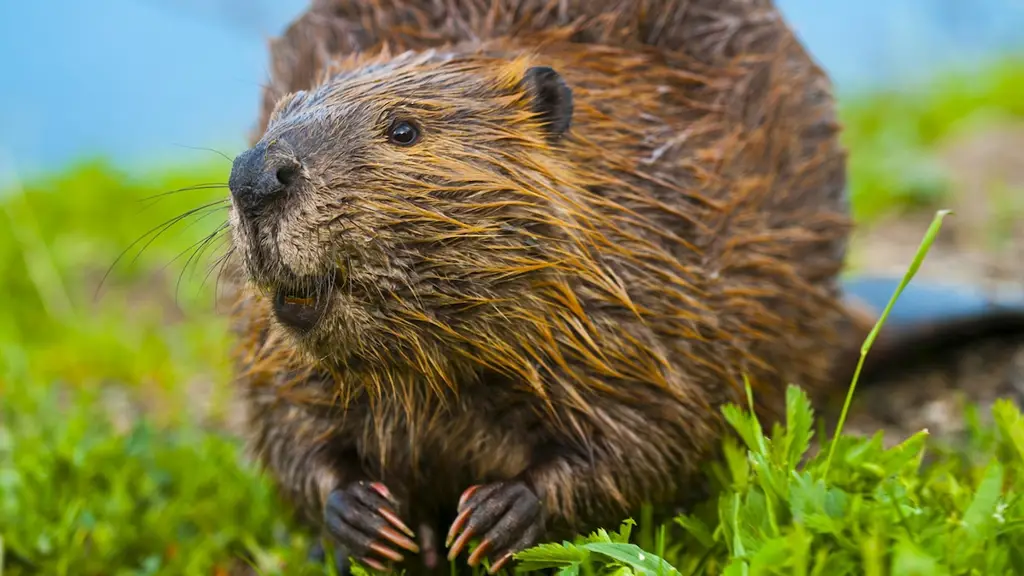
x,y
401,195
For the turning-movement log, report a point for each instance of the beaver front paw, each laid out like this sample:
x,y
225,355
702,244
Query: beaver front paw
x,y
508,515
358,518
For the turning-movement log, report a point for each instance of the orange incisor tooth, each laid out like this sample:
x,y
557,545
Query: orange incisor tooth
x,y
299,301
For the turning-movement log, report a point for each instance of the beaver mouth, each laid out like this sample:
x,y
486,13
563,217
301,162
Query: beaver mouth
x,y
300,304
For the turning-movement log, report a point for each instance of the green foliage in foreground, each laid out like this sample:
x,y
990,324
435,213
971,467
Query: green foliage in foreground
x,y
874,511
86,487
78,496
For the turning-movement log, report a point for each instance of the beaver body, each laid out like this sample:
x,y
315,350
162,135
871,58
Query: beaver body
x,y
498,265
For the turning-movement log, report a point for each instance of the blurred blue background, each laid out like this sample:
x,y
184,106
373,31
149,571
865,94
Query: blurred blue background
x,y
143,80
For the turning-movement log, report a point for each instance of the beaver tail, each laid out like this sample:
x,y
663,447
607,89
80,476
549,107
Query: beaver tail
x,y
928,323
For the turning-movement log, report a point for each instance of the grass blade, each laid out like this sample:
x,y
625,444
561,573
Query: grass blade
x,y
922,250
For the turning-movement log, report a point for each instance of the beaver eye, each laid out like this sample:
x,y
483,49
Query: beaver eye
x,y
403,133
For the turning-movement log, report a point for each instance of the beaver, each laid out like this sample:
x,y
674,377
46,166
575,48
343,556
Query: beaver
x,y
496,266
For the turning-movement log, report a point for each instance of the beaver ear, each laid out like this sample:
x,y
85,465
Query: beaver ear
x,y
551,98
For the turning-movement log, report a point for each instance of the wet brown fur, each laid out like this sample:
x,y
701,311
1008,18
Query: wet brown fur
x,y
568,311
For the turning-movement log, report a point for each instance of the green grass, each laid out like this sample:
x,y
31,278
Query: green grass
x,y
875,511
113,458
85,488
893,135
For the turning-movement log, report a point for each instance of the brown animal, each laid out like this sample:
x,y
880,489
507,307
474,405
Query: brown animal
x,y
500,263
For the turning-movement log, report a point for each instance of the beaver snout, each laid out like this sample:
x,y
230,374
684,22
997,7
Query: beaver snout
x,y
261,175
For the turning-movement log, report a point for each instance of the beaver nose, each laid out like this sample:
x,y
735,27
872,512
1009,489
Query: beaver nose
x,y
258,177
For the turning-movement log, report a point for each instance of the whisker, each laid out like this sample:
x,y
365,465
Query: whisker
x,y
217,243
186,250
193,188
190,188
174,221
218,152
216,234
202,244
219,228
207,214
156,232
219,265
221,260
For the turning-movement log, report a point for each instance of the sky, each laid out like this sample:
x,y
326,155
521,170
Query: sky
x,y
148,81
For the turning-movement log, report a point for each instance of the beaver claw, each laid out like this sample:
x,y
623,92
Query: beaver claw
x,y
508,515
361,518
